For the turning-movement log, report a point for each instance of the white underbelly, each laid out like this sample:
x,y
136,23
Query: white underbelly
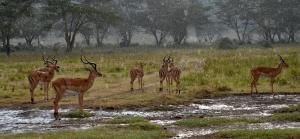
x,y
71,93
265,75
42,83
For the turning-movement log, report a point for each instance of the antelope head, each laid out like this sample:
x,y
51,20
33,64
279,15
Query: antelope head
x,y
171,61
93,68
165,63
142,65
51,64
283,63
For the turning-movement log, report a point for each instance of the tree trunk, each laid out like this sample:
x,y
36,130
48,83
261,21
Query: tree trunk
x,y
100,37
178,39
29,41
70,39
159,37
8,51
126,39
39,43
87,39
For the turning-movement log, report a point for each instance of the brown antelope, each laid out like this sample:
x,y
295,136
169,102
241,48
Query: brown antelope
x,y
269,72
163,72
78,85
173,74
137,72
43,77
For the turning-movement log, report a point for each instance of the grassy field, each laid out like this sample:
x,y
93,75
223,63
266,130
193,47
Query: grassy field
x,y
206,72
220,121
259,134
215,121
136,129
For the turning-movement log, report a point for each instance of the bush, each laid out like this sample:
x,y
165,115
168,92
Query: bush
x,y
225,43
266,44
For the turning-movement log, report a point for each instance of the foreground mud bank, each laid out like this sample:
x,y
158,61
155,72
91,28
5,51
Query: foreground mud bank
x,y
19,120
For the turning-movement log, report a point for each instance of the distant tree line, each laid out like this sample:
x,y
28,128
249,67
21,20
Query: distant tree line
x,y
271,20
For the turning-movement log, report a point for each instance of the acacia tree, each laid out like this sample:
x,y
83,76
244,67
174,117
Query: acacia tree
x,y
10,12
209,32
183,14
102,23
87,32
71,15
291,16
199,18
265,15
177,12
30,27
127,10
154,20
277,20
235,14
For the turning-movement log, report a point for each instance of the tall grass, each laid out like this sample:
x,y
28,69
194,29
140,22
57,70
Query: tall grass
x,y
202,68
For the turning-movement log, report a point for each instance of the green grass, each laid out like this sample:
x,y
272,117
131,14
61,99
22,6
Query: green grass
x,y
78,114
138,128
138,122
110,132
220,121
259,134
215,121
208,69
285,117
128,120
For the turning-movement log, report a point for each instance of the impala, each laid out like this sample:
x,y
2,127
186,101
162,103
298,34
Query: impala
x,y
137,72
43,77
163,72
78,85
173,74
268,72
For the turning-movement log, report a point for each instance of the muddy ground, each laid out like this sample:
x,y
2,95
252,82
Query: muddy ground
x,y
25,120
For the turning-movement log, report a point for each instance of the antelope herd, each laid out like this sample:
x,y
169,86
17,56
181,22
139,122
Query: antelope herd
x,y
168,72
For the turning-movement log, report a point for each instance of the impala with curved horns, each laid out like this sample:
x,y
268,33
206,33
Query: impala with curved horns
x,y
174,73
268,72
137,73
43,77
79,85
163,72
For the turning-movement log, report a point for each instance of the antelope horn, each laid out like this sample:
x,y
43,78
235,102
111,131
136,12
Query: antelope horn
x,y
164,60
87,62
46,60
169,59
281,59
54,60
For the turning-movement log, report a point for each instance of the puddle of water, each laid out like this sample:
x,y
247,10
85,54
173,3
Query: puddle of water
x,y
192,132
244,105
163,122
42,120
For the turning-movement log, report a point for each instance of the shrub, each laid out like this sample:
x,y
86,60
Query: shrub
x,y
266,44
225,43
